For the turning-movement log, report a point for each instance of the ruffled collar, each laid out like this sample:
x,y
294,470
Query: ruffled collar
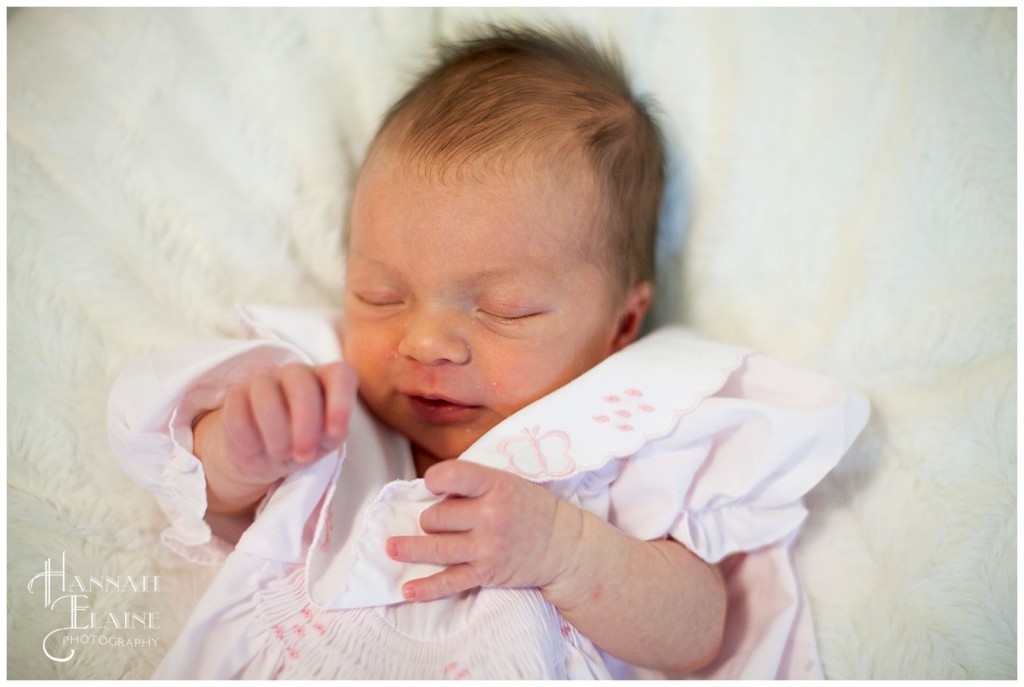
x,y
631,398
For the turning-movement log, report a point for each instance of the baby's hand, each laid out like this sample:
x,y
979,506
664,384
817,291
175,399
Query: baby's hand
x,y
270,426
494,529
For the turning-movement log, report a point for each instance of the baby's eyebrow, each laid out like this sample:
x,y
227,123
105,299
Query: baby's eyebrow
x,y
368,261
500,271
527,274
497,275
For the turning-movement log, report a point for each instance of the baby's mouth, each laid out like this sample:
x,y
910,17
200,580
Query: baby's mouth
x,y
438,409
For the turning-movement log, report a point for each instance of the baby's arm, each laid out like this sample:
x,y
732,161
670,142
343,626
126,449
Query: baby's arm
x,y
269,426
648,603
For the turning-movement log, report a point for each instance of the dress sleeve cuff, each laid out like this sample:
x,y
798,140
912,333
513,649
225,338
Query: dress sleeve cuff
x,y
183,499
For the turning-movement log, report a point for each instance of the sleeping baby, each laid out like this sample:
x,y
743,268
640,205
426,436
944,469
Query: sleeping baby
x,y
477,470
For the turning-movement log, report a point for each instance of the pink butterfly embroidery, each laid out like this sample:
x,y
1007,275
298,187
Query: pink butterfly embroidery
x,y
538,455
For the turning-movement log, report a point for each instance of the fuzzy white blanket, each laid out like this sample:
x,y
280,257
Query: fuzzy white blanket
x,y
844,198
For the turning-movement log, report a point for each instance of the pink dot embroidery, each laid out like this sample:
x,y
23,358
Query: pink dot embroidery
x,y
299,632
647,408
635,393
449,670
612,399
624,427
307,612
623,413
293,653
601,418
319,627
278,632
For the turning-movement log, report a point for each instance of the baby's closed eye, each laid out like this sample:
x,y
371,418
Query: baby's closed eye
x,y
378,298
510,313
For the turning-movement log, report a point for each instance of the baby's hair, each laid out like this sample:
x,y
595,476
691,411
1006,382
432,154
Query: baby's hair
x,y
554,94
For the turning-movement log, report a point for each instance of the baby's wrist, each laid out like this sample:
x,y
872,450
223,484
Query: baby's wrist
x,y
224,496
575,578
204,430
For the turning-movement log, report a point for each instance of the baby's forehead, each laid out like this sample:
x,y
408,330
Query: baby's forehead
x,y
563,177
562,185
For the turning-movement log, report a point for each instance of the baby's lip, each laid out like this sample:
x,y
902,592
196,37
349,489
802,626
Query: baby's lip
x,y
439,408
438,399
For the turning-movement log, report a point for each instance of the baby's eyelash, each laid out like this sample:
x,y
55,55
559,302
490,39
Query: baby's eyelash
x,y
377,299
510,318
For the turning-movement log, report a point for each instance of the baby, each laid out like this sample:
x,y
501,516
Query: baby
x,y
420,489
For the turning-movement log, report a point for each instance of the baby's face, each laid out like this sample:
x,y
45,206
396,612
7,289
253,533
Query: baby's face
x,y
467,300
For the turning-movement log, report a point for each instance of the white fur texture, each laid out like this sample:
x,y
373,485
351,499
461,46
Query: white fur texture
x,y
844,198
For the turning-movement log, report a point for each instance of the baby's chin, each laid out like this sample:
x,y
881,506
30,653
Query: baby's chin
x,y
448,450
437,449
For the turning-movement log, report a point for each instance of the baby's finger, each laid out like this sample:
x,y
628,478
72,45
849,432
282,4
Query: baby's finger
x,y
240,430
439,549
305,408
271,413
339,384
460,477
453,514
453,580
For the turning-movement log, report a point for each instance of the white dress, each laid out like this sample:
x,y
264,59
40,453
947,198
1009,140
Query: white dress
x,y
712,445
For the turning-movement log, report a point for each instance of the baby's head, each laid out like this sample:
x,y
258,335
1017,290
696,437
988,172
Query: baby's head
x,y
515,100
501,235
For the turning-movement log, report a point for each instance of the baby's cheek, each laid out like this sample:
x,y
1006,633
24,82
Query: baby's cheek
x,y
512,395
356,358
362,347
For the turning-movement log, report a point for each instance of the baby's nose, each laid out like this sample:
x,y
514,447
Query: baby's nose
x,y
435,338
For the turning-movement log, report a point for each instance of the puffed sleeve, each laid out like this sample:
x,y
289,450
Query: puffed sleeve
x,y
731,475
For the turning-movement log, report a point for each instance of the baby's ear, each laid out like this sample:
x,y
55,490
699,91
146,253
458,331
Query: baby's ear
x,y
631,315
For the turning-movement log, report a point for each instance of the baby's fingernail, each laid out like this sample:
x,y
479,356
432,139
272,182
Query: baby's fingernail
x,y
408,592
392,549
